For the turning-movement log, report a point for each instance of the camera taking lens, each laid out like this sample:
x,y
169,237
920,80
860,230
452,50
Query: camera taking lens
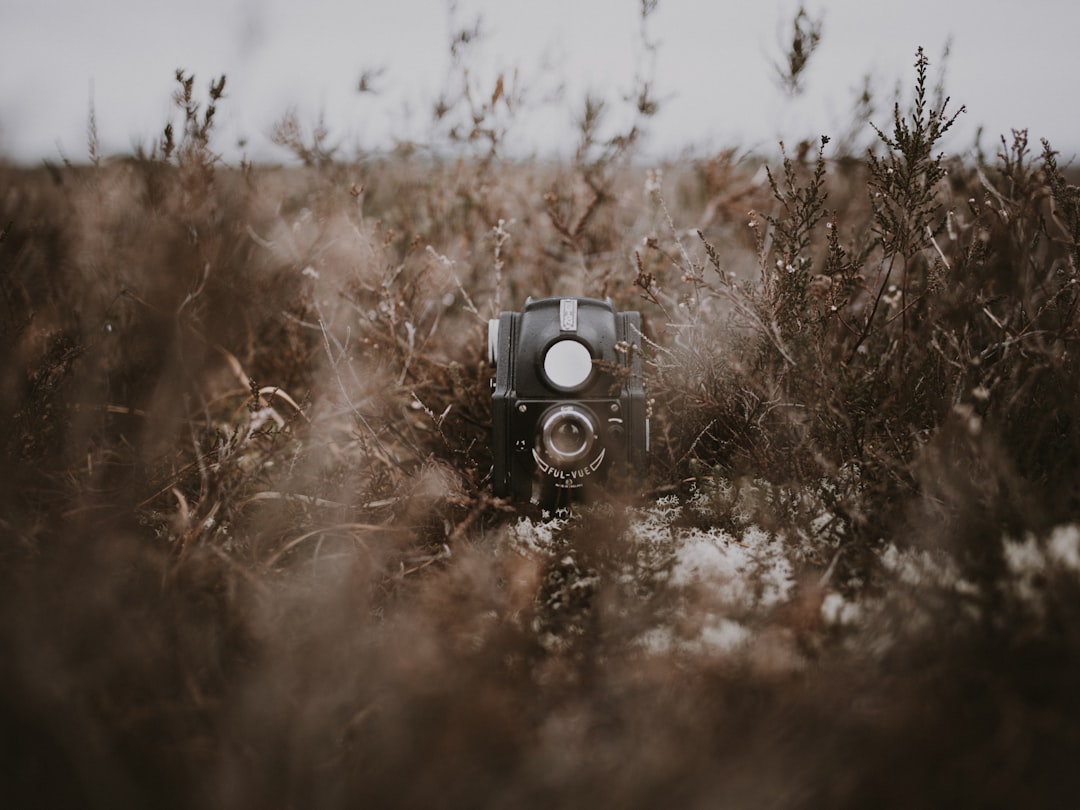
x,y
567,435
569,403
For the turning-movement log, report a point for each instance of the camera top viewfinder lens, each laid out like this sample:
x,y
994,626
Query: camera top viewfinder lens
x,y
568,364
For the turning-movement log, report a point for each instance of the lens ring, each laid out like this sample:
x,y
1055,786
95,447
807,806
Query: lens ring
x,y
567,435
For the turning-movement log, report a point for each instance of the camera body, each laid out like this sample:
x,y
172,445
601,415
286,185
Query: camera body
x,y
568,409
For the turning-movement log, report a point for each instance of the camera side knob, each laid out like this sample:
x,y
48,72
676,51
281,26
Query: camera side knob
x,y
493,341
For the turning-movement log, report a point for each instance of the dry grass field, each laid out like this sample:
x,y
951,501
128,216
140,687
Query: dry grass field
x,y
249,554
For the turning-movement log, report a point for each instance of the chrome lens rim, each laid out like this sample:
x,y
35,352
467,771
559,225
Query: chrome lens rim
x,y
563,423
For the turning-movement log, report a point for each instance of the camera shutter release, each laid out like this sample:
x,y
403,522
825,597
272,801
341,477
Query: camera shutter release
x,y
567,364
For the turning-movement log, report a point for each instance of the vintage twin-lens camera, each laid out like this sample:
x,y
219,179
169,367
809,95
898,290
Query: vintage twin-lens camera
x,y
569,412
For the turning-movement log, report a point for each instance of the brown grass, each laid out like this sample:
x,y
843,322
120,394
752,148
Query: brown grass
x,y
249,554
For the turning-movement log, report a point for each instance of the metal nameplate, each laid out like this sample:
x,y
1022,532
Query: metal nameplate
x,y
568,314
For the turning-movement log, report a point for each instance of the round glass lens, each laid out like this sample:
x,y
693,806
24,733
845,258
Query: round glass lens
x,y
567,435
568,438
567,364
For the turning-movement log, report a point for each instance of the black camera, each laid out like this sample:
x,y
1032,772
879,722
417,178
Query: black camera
x,y
569,411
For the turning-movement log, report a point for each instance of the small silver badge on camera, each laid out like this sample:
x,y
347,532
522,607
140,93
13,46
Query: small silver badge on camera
x,y
568,314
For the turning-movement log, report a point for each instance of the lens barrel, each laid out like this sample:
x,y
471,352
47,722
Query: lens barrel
x,y
567,435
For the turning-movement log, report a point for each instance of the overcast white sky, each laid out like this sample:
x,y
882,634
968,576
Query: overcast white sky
x,y
1013,64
